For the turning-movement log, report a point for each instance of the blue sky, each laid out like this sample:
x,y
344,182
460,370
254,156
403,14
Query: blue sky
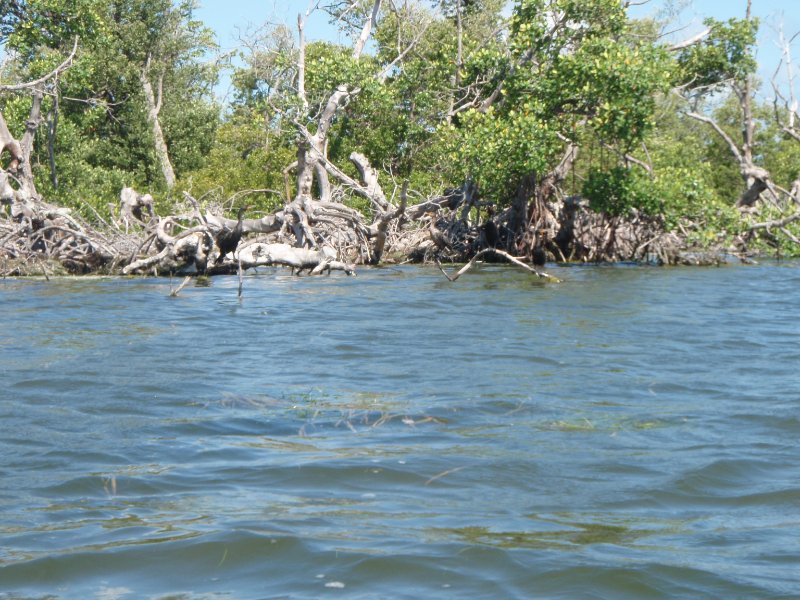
x,y
228,17
231,18
224,16
772,14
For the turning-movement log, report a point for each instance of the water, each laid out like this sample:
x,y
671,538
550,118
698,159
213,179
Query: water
x,y
629,433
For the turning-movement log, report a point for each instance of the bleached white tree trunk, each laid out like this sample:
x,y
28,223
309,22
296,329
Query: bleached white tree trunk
x,y
153,100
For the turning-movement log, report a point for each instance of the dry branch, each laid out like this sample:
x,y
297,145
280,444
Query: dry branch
x,y
502,254
66,64
776,224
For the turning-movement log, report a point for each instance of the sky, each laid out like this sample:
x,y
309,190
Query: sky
x,y
230,19
773,15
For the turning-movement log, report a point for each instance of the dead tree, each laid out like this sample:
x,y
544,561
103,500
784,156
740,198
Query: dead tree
x,y
758,181
785,103
306,216
321,230
153,100
17,186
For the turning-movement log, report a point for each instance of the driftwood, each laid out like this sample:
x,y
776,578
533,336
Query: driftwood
x,y
314,236
315,261
36,236
500,253
134,206
185,243
33,233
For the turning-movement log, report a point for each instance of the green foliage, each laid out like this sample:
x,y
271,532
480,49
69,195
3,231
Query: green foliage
x,y
725,54
689,188
618,190
613,84
330,65
35,24
103,138
582,76
268,72
533,32
241,158
190,127
684,194
782,158
773,241
11,13
677,195
371,122
497,150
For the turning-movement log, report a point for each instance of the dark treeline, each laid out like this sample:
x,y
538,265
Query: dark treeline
x,y
452,116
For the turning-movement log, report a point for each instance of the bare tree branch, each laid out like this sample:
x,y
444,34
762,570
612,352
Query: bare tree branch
x,y
32,84
690,41
728,140
401,55
496,252
301,63
369,25
777,223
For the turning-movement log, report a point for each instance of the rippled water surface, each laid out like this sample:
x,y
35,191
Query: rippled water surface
x,y
630,433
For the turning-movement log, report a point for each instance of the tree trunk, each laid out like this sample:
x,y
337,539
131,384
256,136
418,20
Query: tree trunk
x,y
10,143
27,187
455,78
52,130
20,164
519,207
153,109
312,149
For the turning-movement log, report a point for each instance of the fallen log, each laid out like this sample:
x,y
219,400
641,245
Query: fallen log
x,y
259,254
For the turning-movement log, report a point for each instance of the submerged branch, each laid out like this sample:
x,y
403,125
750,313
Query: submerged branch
x,y
496,252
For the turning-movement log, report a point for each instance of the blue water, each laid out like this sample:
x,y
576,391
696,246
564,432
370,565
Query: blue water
x,y
629,433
